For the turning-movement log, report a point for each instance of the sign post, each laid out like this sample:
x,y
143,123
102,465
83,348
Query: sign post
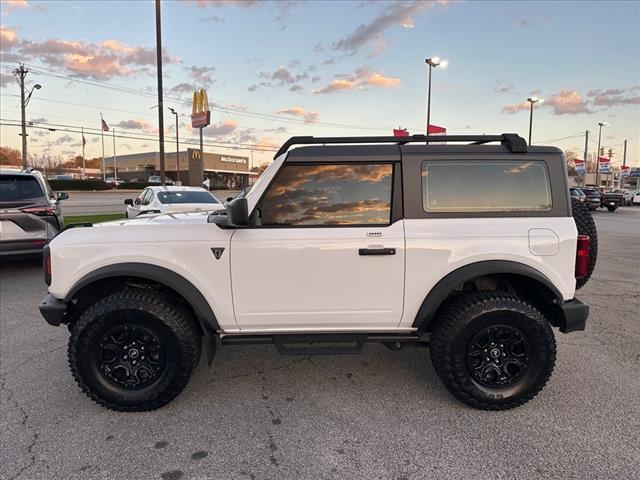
x,y
200,114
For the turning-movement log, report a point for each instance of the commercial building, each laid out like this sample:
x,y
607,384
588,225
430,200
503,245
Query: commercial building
x,y
224,172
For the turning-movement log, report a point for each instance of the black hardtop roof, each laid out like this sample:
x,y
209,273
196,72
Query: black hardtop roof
x,y
512,141
385,152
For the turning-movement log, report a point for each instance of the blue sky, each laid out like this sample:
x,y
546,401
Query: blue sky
x,y
276,69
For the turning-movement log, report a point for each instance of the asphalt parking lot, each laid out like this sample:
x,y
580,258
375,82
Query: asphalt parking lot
x,y
382,414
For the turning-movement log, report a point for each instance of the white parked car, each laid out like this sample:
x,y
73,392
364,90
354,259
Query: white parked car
x,y
171,199
155,179
636,198
333,247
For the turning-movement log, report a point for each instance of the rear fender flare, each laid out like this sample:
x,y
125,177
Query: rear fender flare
x,y
439,293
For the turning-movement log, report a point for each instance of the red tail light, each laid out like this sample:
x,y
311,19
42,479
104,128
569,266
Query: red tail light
x,y
42,211
582,256
46,261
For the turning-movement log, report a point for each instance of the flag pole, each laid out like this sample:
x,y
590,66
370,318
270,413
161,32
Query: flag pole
x,y
104,170
115,162
84,168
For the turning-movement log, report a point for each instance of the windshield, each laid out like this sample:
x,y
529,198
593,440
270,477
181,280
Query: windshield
x,y
187,197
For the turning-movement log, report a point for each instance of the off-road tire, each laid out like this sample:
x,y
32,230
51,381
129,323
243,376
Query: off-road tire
x,y
586,226
161,315
468,315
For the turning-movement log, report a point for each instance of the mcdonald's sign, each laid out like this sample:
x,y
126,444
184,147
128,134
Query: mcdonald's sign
x,y
200,113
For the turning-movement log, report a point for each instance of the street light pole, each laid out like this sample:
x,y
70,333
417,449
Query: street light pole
x,y
433,63
532,100
160,103
429,101
178,181
600,124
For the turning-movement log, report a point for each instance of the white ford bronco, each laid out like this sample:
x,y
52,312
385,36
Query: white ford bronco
x,y
470,247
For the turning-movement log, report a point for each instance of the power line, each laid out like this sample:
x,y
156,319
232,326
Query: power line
x,y
182,100
141,137
577,135
150,136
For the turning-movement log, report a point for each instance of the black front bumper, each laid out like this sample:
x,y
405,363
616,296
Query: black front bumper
x,y
574,316
53,310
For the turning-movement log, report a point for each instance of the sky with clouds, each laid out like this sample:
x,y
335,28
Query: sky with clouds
x,y
277,69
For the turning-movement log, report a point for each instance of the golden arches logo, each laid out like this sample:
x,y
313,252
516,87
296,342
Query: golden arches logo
x,y
200,102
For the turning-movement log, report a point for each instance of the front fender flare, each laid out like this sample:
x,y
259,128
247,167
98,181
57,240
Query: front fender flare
x,y
161,275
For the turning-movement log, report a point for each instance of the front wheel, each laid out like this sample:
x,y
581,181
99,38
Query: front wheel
x,y
612,208
493,351
134,350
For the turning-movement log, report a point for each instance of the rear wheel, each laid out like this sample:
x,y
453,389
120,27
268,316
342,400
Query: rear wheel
x,y
493,351
586,226
134,350
612,208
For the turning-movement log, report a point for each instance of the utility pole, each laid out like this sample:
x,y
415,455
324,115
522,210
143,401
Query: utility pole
x,y
610,172
586,149
84,167
624,163
600,124
115,162
21,72
160,103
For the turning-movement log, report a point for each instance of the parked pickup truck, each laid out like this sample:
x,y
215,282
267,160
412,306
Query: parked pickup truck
x,y
612,200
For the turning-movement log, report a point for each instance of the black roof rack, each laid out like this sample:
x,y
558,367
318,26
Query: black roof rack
x,y
513,141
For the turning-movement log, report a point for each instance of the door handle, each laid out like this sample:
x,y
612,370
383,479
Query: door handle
x,y
376,251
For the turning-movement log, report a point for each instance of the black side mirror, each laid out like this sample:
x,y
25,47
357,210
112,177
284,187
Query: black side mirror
x,y
229,199
238,213
63,196
128,201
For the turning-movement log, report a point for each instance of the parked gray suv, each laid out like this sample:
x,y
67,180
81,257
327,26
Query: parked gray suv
x,y
30,212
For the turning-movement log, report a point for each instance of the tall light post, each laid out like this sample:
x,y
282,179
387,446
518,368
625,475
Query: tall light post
x,y
178,181
160,101
532,100
600,125
433,62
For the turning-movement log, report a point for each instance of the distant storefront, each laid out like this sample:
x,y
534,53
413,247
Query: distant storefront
x,y
223,171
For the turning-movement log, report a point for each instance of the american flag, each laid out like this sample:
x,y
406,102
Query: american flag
x,y
105,127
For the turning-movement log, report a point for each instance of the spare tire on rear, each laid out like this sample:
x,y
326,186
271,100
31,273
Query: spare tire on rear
x,y
586,226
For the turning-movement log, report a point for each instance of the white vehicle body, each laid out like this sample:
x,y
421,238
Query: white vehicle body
x,y
636,198
149,201
309,279
333,247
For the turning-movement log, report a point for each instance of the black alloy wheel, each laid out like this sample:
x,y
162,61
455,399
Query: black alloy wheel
x,y
130,356
498,356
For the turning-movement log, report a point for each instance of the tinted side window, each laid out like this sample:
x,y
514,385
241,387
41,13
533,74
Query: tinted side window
x,y
485,186
148,197
329,194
